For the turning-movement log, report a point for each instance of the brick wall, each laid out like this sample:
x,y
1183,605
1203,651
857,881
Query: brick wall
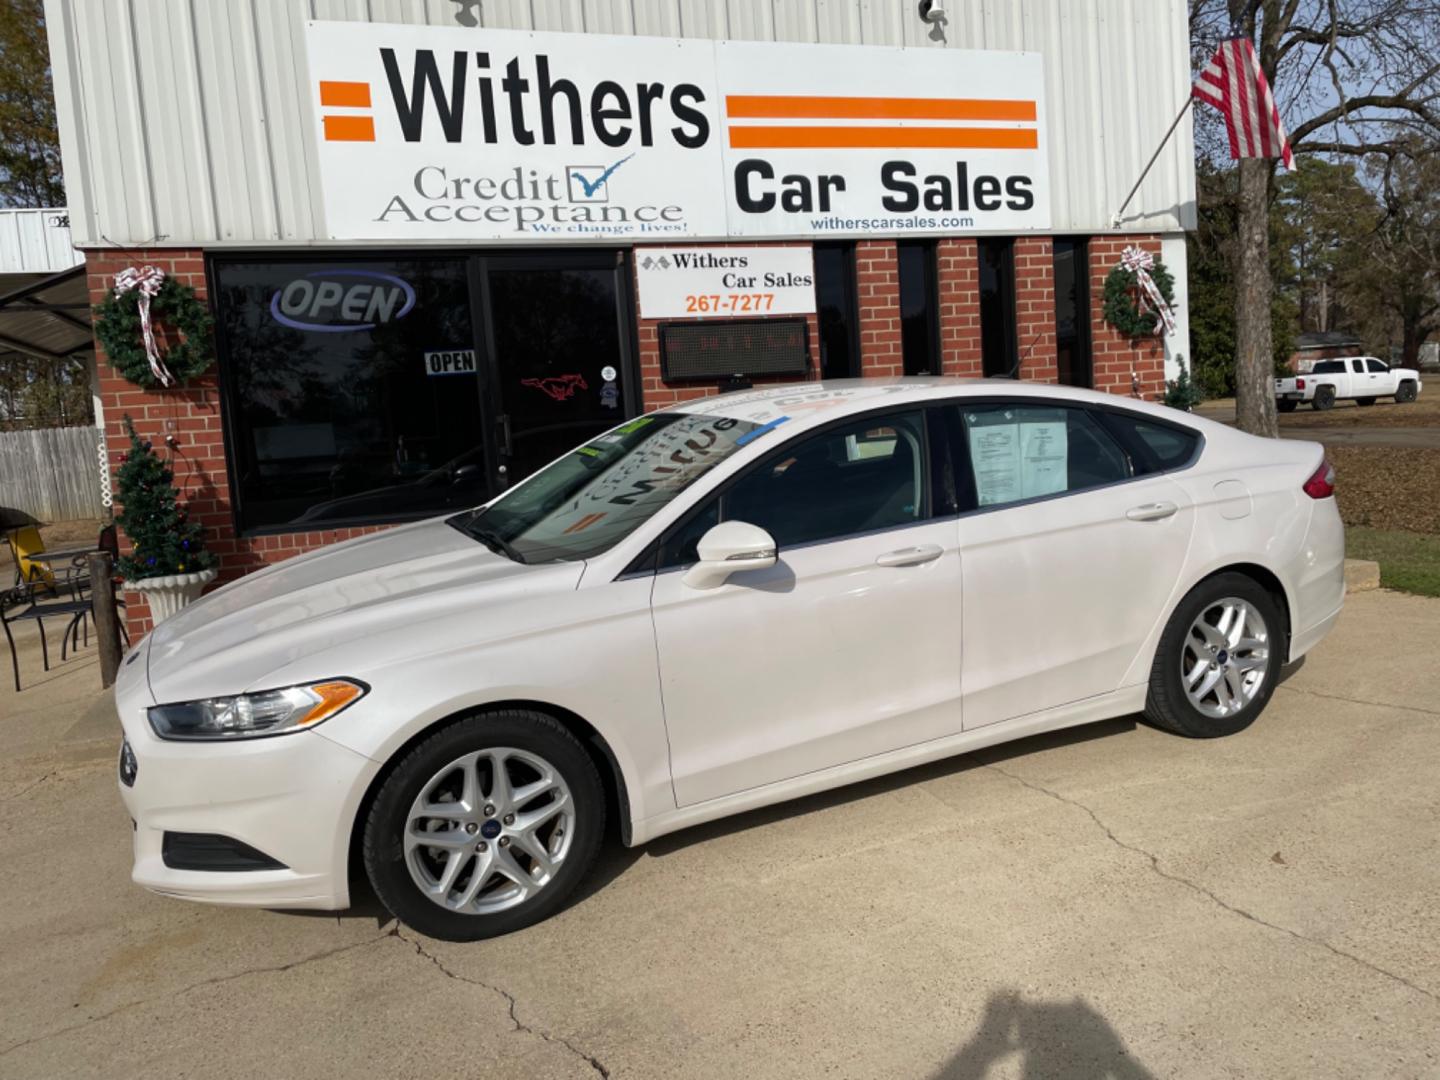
x,y
1122,366
877,290
958,270
192,417
1035,308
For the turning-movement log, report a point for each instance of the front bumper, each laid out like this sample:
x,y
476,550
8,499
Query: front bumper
x,y
292,797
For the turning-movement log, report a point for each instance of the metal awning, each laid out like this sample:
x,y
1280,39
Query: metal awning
x,y
45,315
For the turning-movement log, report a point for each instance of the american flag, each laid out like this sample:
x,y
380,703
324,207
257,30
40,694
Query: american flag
x,y
1234,84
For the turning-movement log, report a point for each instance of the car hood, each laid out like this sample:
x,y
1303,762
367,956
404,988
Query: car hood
x,y
231,639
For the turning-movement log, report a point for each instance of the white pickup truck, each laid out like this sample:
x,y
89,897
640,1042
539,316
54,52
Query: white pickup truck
x,y
1363,378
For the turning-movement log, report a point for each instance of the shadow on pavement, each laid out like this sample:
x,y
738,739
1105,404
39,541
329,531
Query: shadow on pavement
x,y
1051,1038
880,785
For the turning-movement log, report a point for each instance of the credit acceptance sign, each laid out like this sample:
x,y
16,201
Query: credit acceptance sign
x,y
444,133
693,283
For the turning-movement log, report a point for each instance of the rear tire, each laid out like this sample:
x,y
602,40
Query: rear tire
x,y
1286,405
1211,677
1406,393
1324,399
496,884
1364,401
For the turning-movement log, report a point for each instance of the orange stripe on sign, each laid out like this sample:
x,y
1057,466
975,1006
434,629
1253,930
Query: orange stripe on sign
x,y
802,107
349,129
883,138
342,95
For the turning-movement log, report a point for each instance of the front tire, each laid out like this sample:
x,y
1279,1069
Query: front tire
x,y
1324,399
485,827
1218,660
1406,393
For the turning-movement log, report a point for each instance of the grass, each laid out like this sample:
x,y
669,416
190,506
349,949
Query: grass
x,y
1408,561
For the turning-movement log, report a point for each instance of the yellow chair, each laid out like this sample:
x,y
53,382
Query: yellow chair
x,y
24,542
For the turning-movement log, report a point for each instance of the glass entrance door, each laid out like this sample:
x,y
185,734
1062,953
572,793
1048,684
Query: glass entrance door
x,y
558,355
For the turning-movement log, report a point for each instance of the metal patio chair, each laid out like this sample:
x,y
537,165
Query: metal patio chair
x,y
36,601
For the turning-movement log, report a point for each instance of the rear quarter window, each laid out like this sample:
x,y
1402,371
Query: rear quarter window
x,y
1329,367
1158,447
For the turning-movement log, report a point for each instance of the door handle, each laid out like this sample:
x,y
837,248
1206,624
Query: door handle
x,y
1151,511
911,556
504,421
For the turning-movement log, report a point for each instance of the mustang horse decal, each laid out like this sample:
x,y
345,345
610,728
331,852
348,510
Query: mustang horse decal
x,y
558,387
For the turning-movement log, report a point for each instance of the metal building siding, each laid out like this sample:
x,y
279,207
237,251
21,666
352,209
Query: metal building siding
x,y
35,241
188,121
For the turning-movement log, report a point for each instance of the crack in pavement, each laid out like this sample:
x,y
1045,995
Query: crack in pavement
x,y
589,1059
1203,891
274,969
1360,701
31,786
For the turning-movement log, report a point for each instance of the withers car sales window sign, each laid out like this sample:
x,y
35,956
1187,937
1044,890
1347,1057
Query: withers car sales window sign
x,y
438,133
695,283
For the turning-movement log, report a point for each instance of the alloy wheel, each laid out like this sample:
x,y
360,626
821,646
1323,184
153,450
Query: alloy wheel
x,y
489,830
1225,658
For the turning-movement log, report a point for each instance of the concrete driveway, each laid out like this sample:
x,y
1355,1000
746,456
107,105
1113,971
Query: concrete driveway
x,y
1111,902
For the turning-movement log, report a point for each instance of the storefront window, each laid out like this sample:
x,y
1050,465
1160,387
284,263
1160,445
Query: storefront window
x,y
352,389
997,308
1072,313
838,311
919,307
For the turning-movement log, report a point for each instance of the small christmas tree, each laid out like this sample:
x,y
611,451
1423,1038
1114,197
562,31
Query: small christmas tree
x,y
1181,392
166,540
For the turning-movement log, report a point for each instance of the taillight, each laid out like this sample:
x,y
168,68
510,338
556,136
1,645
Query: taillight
x,y
1321,484
1299,384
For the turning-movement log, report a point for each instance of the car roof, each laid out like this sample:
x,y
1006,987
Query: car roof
x,y
831,399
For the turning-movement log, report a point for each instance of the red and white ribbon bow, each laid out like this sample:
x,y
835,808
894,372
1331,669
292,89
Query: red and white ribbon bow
x,y
1139,261
147,281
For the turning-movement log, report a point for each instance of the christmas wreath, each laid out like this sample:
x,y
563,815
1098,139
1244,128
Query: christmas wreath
x,y
1127,307
125,326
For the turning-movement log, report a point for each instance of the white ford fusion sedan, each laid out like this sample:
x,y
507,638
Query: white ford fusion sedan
x,y
722,605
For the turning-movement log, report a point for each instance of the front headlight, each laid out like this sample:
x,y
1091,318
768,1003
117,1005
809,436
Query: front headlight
x,y
249,716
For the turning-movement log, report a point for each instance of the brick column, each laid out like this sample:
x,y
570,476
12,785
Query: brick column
x,y
877,277
959,288
1122,366
1035,308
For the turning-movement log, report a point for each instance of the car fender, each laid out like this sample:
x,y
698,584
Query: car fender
x,y
1271,537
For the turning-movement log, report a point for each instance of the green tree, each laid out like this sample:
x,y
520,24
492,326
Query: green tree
x,y
1321,221
166,540
29,141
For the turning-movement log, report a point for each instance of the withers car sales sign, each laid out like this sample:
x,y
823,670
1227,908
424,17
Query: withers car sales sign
x,y
693,283
441,133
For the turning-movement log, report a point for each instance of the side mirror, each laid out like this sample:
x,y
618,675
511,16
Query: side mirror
x,y
727,549
465,474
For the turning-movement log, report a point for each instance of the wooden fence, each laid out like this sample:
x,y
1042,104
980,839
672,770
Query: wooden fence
x,y
52,474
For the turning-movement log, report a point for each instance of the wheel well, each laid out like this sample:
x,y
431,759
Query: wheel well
x,y
616,798
1267,581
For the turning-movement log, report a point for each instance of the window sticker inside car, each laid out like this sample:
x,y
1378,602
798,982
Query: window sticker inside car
x,y
750,436
1016,456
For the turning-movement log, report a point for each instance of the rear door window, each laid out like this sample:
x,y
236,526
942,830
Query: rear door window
x,y
1021,452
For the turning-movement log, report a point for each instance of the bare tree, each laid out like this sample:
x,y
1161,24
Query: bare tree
x,y
1352,77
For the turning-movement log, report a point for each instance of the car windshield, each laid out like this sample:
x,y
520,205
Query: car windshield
x,y
592,498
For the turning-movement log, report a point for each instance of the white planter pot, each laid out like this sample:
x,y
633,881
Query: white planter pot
x,y
168,594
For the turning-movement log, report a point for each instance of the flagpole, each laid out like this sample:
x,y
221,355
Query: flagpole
x,y
1115,220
